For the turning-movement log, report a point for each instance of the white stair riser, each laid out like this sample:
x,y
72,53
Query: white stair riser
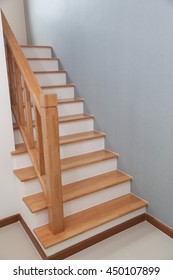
x,y
44,65
50,79
65,128
87,146
37,52
21,161
29,187
66,109
87,171
70,109
62,93
72,241
82,203
68,150
74,174
73,127
17,137
94,199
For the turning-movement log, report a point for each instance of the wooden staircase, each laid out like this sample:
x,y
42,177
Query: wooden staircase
x,y
104,190
95,194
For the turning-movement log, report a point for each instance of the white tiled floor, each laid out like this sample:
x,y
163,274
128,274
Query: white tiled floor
x,y
143,241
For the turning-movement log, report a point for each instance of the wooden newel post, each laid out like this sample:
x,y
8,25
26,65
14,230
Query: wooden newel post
x,y
51,145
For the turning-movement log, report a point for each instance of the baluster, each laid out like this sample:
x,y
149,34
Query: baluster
x,y
28,112
11,77
19,96
39,142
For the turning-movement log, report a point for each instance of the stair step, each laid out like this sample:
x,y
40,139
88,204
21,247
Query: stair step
x,y
77,117
78,189
51,77
89,219
37,51
28,173
83,136
25,174
64,140
70,100
85,159
64,119
19,149
58,86
63,91
41,64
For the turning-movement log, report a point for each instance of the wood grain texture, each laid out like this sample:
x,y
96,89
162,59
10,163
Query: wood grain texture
x,y
78,189
25,174
85,159
78,137
58,86
90,218
19,149
77,117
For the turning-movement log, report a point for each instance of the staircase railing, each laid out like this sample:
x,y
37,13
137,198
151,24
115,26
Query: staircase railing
x,y
40,131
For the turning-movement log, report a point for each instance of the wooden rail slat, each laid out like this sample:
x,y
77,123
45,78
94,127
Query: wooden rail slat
x,y
19,96
39,142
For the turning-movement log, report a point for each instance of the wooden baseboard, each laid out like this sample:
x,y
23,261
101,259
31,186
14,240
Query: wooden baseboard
x,y
90,241
158,224
9,220
33,239
97,238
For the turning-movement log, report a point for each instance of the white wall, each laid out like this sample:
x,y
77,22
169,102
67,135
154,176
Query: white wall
x,y
14,12
8,199
120,56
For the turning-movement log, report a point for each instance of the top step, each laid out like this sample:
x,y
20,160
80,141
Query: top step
x,y
37,51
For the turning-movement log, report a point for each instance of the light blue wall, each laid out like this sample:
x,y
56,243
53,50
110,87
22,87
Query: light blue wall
x,y
120,55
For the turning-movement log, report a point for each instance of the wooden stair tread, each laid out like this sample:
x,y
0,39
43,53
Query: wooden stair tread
x,y
28,173
73,138
36,202
19,149
25,174
34,46
89,219
69,118
77,117
78,189
85,159
50,72
58,86
43,58
68,139
70,100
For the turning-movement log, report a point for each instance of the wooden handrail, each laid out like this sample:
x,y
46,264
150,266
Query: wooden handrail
x,y
43,146
23,65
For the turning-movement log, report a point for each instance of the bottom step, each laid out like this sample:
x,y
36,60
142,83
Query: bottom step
x,y
90,219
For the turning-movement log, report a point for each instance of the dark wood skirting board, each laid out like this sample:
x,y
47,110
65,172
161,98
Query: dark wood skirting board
x,y
9,220
162,227
90,241
33,239
97,238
